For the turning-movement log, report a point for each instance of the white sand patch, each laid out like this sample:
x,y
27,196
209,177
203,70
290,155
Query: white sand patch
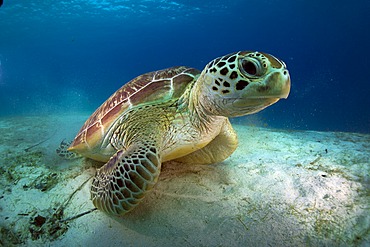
x,y
280,188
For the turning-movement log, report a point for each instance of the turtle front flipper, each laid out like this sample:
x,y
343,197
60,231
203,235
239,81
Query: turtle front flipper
x,y
123,181
220,148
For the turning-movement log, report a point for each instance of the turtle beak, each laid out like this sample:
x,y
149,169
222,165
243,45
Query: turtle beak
x,y
275,86
285,85
263,94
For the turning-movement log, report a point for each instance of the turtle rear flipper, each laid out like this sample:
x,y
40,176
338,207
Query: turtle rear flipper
x,y
64,153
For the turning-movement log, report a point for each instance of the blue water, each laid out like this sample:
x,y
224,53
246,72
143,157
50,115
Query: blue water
x,y
69,56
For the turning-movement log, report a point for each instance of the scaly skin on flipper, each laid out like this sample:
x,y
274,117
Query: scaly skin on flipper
x,y
121,183
177,114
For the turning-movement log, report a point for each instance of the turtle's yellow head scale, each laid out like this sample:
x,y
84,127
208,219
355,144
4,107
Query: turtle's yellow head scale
x,y
243,83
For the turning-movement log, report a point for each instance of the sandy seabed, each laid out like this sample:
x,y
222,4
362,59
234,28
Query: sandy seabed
x,y
279,188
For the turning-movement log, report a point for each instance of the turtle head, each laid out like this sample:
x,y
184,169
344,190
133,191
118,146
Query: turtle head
x,y
243,83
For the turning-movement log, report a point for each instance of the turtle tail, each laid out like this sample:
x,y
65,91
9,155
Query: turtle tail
x,y
123,181
64,153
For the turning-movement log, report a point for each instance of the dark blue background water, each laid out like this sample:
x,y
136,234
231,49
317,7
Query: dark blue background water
x,y
69,56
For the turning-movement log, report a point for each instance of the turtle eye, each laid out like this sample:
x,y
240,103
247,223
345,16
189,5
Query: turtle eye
x,y
251,67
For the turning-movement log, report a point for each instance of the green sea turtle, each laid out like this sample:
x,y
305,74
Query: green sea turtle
x,y
179,114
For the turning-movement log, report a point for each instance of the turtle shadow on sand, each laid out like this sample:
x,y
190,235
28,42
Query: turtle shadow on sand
x,y
180,189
